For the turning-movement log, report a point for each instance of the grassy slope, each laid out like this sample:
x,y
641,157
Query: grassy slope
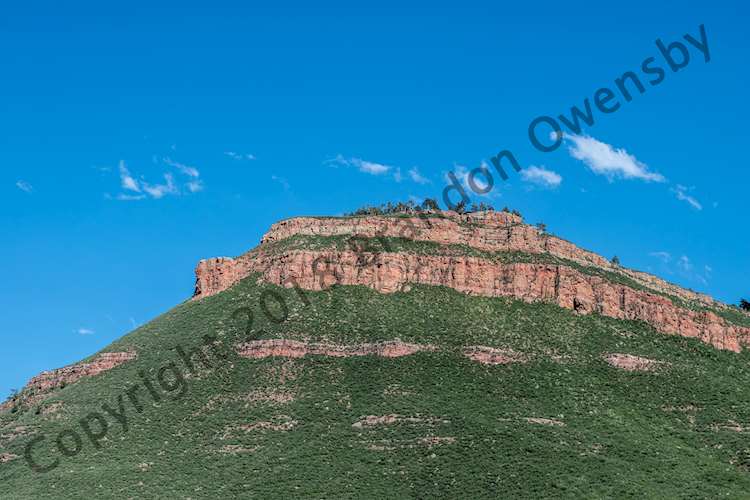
x,y
626,434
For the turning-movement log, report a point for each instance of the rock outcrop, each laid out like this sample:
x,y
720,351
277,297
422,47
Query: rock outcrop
x,y
491,356
631,363
47,382
565,285
489,231
294,349
55,379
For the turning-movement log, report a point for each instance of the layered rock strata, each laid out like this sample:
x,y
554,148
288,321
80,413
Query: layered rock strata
x,y
559,284
566,285
488,231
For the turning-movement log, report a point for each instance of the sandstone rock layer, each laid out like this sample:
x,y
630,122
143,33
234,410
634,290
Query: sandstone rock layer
x,y
50,380
567,285
562,285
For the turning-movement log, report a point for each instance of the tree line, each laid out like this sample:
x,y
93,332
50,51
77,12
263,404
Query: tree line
x,y
410,207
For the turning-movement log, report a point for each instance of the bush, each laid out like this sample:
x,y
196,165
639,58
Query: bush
x,y
744,305
409,207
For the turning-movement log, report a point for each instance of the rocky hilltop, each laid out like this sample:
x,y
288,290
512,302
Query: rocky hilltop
x,y
478,355
482,253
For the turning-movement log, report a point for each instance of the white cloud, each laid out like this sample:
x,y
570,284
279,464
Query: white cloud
x,y
158,191
85,331
185,169
369,167
127,181
194,186
139,189
365,166
373,168
605,160
541,176
479,178
417,177
24,186
239,156
681,193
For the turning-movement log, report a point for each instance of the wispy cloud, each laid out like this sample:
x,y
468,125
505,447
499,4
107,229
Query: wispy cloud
x,y
127,181
194,186
684,263
185,169
365,166
369,167
284,183
397,175
417,177
541,177
158,191
239,156
681,192
24,186
613,163
462,174
665,257
85,331
683,266
137,189
377,169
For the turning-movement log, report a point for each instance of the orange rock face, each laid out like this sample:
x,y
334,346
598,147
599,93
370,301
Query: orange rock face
x,y
490,231
48,381
390,272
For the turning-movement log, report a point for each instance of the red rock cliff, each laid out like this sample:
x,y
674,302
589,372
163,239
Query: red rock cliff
x,y
491,231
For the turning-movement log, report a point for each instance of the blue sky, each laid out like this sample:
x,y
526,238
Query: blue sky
x,y
136,140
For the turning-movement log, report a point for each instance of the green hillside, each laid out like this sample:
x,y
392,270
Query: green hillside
x,y
563,423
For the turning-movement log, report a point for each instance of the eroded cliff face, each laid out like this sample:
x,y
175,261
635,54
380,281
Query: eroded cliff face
x,y
50,380
47,382
563,285
489,231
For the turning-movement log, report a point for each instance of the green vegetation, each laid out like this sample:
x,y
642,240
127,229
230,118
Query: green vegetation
x,y
744,305
670,433
411,208
408,207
